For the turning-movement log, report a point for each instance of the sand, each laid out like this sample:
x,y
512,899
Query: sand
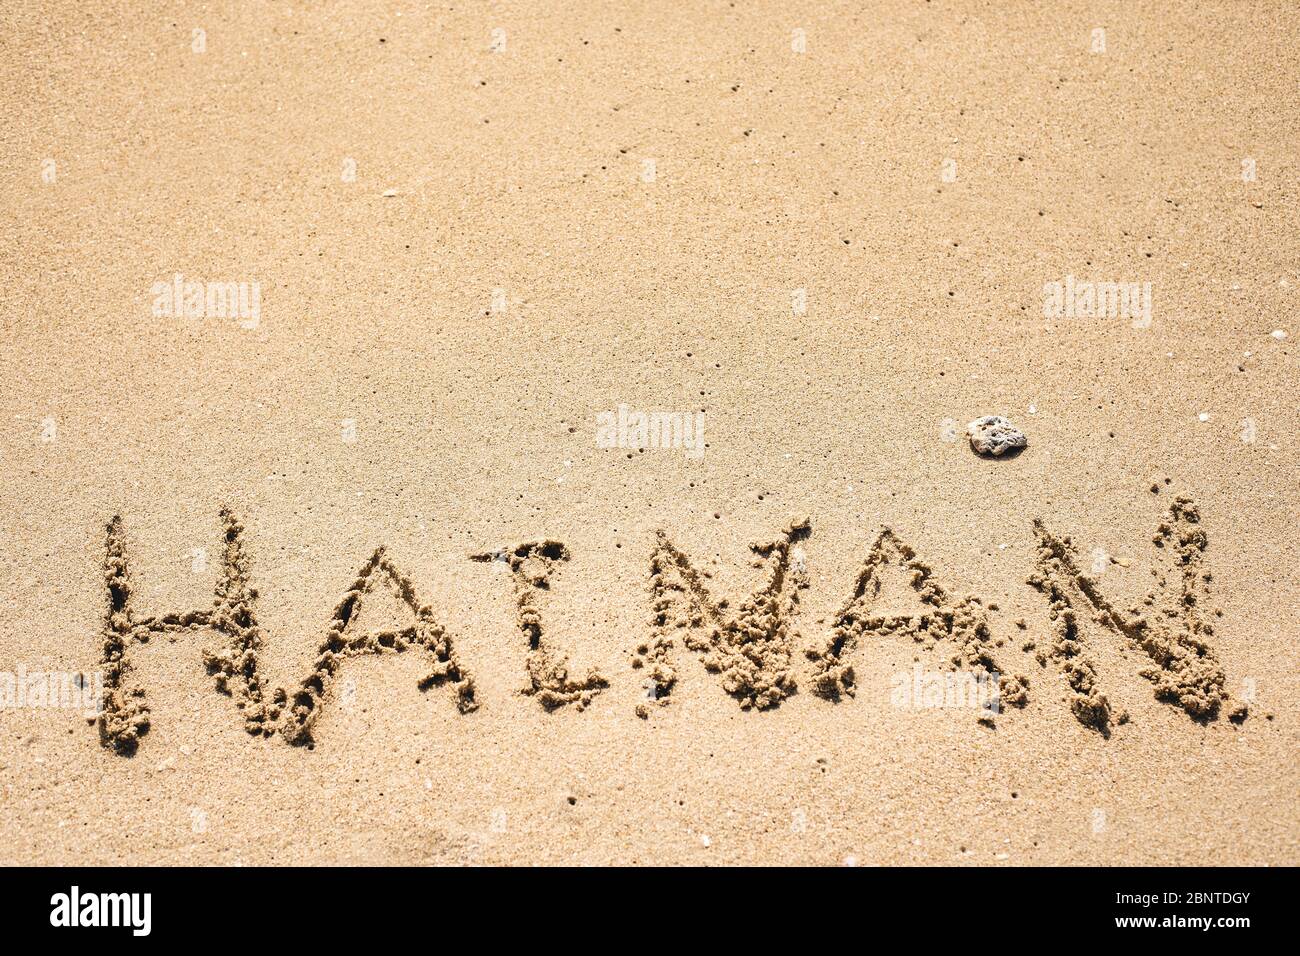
x,y
368,573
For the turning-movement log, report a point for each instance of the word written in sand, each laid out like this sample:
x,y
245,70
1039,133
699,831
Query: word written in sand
x,y
755,650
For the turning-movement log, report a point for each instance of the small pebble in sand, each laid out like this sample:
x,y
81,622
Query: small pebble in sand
x,y
994,435
1279,334
1204,416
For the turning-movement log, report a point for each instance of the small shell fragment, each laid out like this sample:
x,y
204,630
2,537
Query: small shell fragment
x,y
994,435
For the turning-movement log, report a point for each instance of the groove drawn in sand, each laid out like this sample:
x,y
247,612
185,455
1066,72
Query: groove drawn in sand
x,y
1184,668
751,650
343,641
531,565
236,667
963,623
125,716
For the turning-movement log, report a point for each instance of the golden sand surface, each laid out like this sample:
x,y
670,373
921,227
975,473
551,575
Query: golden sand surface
x,y
476,244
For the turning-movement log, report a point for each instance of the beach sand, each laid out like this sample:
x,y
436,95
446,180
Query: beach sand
x,y
468,231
